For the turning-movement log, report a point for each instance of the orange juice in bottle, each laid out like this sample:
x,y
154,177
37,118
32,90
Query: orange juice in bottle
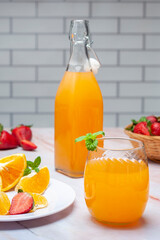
x,y
78,104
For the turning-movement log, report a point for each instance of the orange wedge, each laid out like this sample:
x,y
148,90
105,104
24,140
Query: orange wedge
x,y
39,201
11,170
35,182
4,203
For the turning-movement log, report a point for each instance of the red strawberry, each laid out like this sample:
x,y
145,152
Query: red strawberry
x,y
7,140
141,128
22,132
155,128
27,145
21,203
152,119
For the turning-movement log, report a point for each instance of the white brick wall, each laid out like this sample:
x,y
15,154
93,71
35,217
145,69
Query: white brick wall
x,y
34,52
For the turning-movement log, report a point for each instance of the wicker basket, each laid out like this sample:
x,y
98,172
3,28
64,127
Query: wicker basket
x,y
151,143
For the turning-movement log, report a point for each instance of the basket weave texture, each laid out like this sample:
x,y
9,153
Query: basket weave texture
x,y
151,143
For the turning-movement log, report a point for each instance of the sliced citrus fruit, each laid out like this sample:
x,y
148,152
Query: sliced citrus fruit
x,y
4,203
35,182
0,183
11,170
39,201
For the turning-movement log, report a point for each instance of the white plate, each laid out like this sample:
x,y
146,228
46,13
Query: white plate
x,y
59,195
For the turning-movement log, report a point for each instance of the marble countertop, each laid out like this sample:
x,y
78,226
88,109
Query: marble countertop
x,y
75,222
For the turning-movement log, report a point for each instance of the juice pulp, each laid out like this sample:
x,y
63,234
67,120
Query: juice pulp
x,y
116,190
78,111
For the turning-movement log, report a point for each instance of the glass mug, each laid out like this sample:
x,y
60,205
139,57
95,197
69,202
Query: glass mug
x,y
116,180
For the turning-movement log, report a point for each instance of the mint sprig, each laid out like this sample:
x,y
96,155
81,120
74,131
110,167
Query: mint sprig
x,y
32,166
90,140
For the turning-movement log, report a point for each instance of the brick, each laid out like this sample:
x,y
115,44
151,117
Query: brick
x,y
17,74
139,58
107,57
4,57
98,25
108,90
17,42
4,25
109,120
38,120
152,105
53,42
120,74
117,42
152,74
17,105
17,9
35,89
153,42
37,57
46,105
5,120
37,25
120,105
117,10
4,90
139,89
140,0
69,9
153,10
50,73
125,119
140,26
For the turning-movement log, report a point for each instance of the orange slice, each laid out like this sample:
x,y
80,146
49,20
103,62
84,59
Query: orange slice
x,y
39,201
35,182
11,170
4,203
0,183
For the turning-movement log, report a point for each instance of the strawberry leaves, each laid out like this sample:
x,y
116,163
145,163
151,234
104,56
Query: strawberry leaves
x,y
134,123
90,140
1,128
32,166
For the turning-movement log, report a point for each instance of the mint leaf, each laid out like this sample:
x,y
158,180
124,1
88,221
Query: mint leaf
x,y
37,162
36,169
30,164
20,190
80,139
98,133
91,144
27,171
90,140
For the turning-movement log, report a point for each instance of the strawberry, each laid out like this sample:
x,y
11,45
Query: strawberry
x,y
7,140
155,129
22,132
27,145
141,128
152,119
21,203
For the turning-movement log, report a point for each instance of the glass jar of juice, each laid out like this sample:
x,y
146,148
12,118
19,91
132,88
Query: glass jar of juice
x,y
78,104
116,181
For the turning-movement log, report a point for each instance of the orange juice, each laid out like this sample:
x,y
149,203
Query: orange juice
x,y
78,110
116,190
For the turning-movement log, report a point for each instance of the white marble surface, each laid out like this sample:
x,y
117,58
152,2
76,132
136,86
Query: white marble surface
x,y
75,222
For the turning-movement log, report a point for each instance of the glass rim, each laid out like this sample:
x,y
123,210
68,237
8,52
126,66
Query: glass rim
x,y
122,138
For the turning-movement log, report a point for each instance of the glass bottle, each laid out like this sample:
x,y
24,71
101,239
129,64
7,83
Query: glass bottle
x,y
78,104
